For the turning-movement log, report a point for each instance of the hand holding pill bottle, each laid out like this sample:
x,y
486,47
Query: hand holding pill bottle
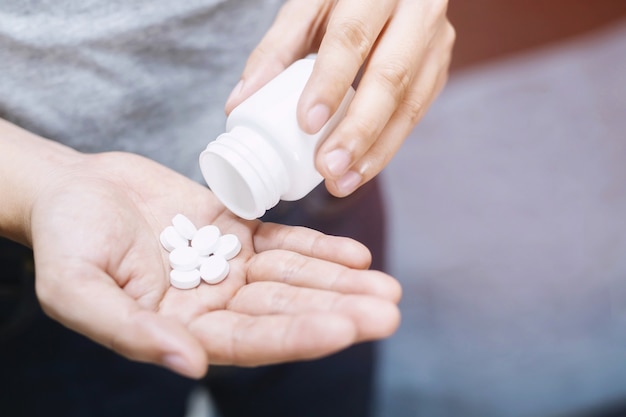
x,y
264,156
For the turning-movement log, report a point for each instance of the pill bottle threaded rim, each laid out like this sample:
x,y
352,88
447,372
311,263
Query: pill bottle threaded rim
x,y
246,174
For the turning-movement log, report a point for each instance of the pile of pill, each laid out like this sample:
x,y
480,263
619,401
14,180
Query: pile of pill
x,y
197,254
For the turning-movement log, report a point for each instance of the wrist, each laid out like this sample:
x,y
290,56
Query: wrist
x,y
28,163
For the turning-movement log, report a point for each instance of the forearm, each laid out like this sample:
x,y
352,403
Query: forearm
x,y
27,162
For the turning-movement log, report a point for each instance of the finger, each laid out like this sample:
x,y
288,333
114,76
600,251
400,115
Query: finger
x,y
302,271
309,242
387,76
369,154
239,339
352,30
290,37
86,300
410,111
374,318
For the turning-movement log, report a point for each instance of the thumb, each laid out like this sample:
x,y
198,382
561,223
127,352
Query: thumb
x,y
293,35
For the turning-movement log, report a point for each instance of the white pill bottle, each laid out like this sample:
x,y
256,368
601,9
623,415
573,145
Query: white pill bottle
x,y
264,156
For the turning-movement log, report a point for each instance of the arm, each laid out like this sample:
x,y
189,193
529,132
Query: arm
x,y
93,222
26,162
404,49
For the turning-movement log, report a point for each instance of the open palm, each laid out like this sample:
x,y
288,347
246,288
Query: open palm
x,y
292,293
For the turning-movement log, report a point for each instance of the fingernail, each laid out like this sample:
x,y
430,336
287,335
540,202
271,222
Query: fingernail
x,y
235,93
317,117
177,363
349,182
337,162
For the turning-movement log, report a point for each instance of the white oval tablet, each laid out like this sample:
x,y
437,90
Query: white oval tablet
x,y
206,239
184,259
184,226
171,239
185,280
229,246
214,269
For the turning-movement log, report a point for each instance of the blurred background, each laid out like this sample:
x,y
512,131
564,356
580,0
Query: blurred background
x,y
511,244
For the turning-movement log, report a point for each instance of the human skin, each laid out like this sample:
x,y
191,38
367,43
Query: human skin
x,y
403,49
93,222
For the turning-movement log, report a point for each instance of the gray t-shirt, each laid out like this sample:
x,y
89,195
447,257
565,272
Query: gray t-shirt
x,y
144,76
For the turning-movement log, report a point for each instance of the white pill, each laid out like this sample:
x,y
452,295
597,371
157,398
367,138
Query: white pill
x,y
206,239
171,239
184,226
184,259
203,259
185,280
214,269
228,246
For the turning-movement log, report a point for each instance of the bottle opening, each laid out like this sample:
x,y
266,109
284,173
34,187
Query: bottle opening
x,y
230,186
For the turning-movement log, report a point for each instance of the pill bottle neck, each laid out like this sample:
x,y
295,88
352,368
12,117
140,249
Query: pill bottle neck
x,y
245,172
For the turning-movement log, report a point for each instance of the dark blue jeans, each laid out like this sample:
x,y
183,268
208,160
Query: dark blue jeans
x,y
47,370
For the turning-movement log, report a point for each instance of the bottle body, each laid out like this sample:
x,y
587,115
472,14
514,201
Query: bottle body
x,y
264,156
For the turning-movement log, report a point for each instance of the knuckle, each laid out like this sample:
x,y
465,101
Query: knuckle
x,y
395,75
291,266
362,129
353,35
372,163
282,299
412,108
